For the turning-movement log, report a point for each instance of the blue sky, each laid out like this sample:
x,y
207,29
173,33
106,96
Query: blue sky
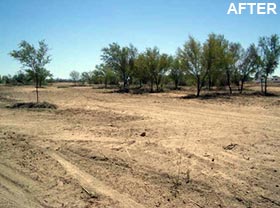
x,y
77,30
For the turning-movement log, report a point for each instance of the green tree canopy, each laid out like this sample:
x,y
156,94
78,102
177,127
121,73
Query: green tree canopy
x,y
75,75
269,56
33,61
121,60
192,59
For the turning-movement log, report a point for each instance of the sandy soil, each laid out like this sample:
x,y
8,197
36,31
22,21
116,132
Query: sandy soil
x,y
103,149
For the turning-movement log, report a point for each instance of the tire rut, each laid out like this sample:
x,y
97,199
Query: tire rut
x,y
92,184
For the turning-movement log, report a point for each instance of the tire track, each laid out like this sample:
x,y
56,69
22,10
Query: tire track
x,y
92,184
15,189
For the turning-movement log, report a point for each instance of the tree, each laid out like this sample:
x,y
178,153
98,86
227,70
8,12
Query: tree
x,y
75,76
106,73
7,79
97,77
176,71
43,75
249,64
230,58
86,77
163,66
141,72
156,65
211,57
21,78
151,61
191,57
269,56
121,60
33,60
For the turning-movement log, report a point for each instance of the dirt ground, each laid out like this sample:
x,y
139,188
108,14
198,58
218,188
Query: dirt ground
x,y
103,149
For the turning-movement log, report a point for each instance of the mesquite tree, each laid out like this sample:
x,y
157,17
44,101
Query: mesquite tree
x,y
249,64
141,71
33,61
75,76
191,57
213,49
176,72
108,76
121,60
155,65
270,54
231,61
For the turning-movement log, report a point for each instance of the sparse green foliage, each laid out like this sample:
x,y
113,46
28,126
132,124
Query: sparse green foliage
x,y
155,65
121,60
97,77
7,79
269,56
230,60
107,75
248,65
141,72
213,50
192,60
86,77
150,63
215,63
75,76
176,71
33,61
21,78
102,74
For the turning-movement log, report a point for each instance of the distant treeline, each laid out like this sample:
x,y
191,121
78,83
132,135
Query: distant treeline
x,y
23,78
217,62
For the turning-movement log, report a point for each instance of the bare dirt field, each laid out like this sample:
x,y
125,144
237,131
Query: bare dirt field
x,y
103,149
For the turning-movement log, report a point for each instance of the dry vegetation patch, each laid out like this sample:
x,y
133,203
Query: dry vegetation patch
x,y
34,105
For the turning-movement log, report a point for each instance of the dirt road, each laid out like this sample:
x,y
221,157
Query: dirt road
x,y
102,149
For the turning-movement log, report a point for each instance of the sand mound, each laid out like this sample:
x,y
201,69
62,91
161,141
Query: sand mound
x,y
34,105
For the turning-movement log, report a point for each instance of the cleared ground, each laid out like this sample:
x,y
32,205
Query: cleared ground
x,y
103,149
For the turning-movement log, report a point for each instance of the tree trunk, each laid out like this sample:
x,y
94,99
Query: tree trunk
x,y
229,83
157,84
209,81
37,86
158,81
241,87
238,86
198,87
208,75
262,85
37,94
230,90
124,80
152,86
176,84
124,85
265,85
